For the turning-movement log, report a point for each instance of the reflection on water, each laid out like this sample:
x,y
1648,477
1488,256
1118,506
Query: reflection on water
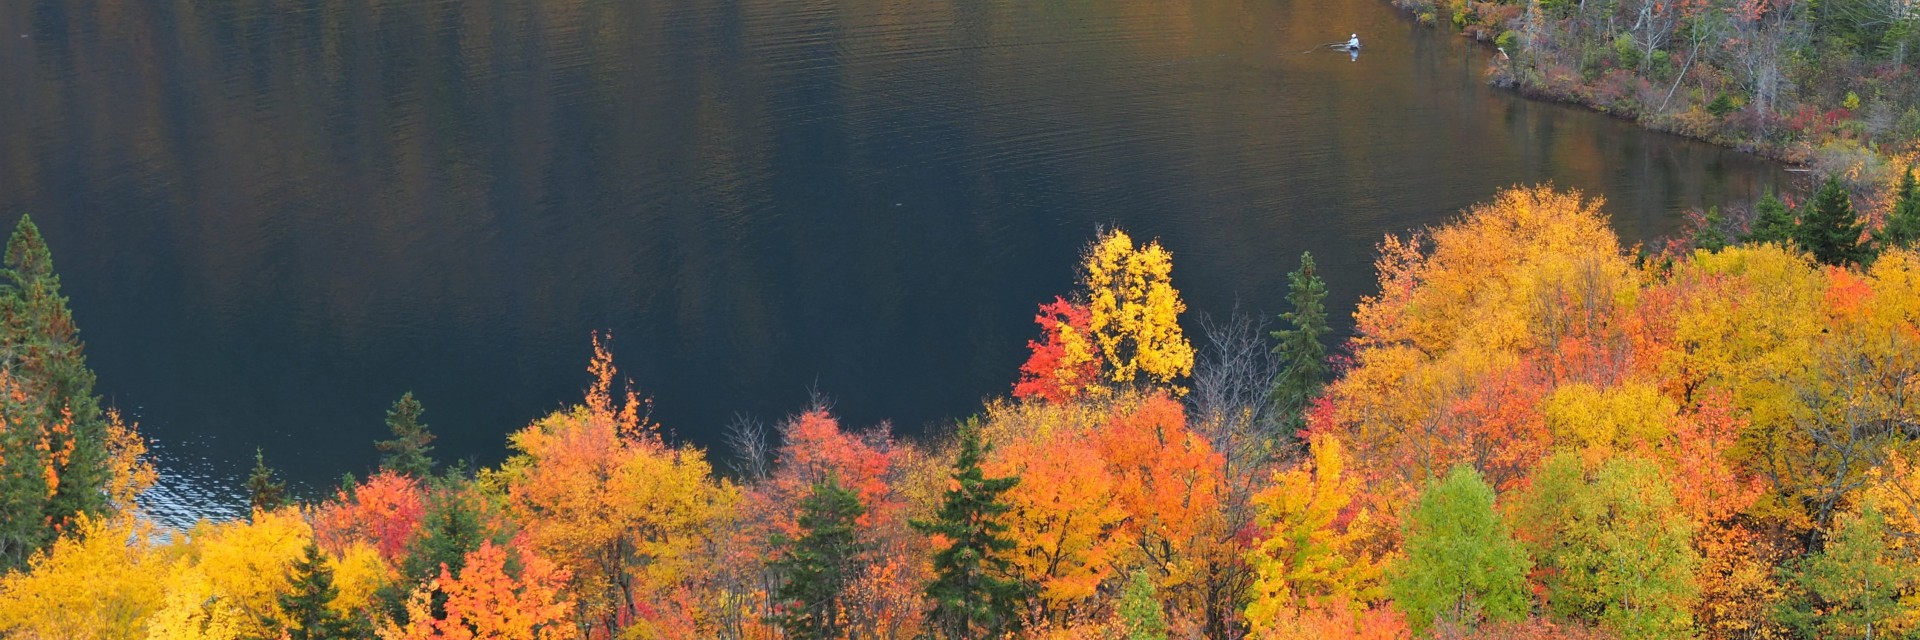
x,y
273,218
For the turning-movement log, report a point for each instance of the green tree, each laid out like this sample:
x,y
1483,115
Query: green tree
x,y
972,594
455,523
53,456
1710,236
820,564
407,453
1140,609
1852,589
1829,230
1772,222
1303,373
1902,228
1461,564
264,492
1615,547
304,612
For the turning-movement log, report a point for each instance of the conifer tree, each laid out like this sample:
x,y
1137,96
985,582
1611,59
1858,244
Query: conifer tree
x,y
1303,357
1709,236
820,564
1829,230
407,453
1902,228
972,594
304,612
53,455
1772,222
265,493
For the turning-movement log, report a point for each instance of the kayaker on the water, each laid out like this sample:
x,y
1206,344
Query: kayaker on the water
x,y
1353,42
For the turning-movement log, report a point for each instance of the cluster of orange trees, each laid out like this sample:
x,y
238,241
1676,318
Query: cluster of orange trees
x,y
1534,432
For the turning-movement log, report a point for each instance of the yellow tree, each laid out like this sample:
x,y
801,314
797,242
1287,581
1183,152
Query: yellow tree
x,y
90,585
1310,557
1135,311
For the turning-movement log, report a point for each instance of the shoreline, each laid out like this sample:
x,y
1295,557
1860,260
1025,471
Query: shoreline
x,y
1869,169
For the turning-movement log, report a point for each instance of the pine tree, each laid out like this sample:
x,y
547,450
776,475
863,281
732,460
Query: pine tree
x,y
304,612
821,564
971,593
53,457
1902,228
1772,222
1140,609
264,492
1709,236
407,453
1303,357
1830,230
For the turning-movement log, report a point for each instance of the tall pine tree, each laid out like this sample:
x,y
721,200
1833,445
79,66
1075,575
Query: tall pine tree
x,y
407,453
304,612
264,492
1829,229
972,594
820,564
53,455
1902,228
1772,222
1303,357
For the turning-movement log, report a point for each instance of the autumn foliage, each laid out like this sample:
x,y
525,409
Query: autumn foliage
x,y
1533,434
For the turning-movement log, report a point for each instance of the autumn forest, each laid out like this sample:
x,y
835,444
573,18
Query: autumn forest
x,y
1534,431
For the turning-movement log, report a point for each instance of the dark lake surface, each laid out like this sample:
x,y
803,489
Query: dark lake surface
x,y
273,218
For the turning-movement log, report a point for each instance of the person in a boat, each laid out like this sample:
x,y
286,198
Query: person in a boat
x,y
1353,42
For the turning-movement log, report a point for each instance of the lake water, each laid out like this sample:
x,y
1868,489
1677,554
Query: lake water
x,y
275,217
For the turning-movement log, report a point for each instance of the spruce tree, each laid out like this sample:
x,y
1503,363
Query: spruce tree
x,y
1709,236
407,453
1303,357
971,594
1772,222
1829,230
304,612
265,493
53,458
1902,228
820,564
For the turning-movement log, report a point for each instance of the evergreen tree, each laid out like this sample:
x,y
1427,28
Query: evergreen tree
x,y
1303,357
304,612
1902,228
1709,236
972,593
820,565
1140,609
1460,563
1829,230
53,457
1772,222
454,524
407,453
264,492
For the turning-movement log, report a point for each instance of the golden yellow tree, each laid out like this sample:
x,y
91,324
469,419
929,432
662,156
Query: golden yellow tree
x,y
91,584
1308,559
1135,311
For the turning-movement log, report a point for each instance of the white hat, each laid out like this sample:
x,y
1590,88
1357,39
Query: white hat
x,y
1354,35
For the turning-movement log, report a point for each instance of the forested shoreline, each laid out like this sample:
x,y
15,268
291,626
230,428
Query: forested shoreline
x,y
1534,432
1827,85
